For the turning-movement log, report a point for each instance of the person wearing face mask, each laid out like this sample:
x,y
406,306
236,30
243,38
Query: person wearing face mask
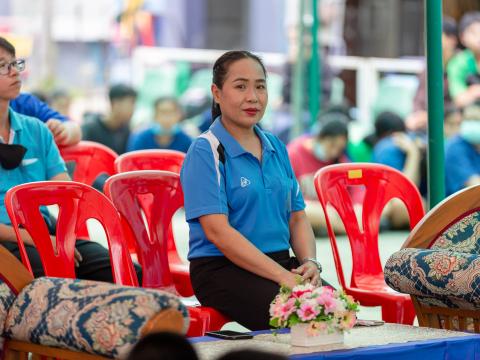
x,y
308,154
165,133
462,153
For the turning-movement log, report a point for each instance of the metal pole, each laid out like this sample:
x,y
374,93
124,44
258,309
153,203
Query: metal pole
x,y
298,78
314,93
435,150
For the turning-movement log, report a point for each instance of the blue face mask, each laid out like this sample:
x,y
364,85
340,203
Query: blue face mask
x,y
159,130
319,152
470,131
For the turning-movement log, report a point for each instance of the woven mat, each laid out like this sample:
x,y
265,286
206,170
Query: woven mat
x,y
358,337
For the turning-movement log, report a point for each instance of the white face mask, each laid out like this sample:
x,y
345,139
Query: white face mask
x,y
159,130
470,131
319,151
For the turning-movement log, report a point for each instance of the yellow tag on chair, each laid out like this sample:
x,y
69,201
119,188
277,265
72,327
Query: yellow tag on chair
x,y
355,174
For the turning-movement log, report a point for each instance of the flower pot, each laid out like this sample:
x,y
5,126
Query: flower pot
x,y
301,336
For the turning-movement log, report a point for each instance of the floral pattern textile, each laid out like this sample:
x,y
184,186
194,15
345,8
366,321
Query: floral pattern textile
x,y
87,316
7,297
437,277
462,236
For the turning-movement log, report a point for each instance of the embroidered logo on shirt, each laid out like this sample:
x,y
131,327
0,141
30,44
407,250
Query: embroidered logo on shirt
x,y
244,182
29,161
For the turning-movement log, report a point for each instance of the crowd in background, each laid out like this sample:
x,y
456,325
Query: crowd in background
x,y
397,142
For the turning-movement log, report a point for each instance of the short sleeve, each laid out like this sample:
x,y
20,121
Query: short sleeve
x,y
298,203
54,162
203,182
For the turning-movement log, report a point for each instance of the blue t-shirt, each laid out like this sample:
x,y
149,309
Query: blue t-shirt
x,y
387,153
41,162
462,161
30,105
258,198
145,139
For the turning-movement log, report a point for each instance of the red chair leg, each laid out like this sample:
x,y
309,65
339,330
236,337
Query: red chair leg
x,y
399,312
199,322
217,319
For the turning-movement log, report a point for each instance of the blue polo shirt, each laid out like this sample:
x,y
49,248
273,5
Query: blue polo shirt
x,y
257,197
30,105
146,139
386,152
41,162
462,161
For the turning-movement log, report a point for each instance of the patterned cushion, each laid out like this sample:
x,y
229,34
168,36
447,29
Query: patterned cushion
x,y
7,297
87,316
463,236
437,277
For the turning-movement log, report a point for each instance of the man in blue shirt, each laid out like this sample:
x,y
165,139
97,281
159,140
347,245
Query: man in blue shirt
x,y
28,153
462,153
166,132
64,131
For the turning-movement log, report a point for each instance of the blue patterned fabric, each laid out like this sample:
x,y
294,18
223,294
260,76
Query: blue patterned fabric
x,y
86,316
437,277
7,297
463,236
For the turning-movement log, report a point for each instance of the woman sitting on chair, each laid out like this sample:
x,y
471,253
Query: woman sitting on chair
x,y
243,205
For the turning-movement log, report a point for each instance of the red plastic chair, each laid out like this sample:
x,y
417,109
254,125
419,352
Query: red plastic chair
x,y
159,159
159,195
77,202
382,184
91,159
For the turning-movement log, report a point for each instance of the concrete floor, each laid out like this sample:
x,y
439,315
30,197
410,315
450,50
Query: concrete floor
x,y
389,243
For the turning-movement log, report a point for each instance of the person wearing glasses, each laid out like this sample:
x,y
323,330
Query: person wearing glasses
x,y
28,153
65,132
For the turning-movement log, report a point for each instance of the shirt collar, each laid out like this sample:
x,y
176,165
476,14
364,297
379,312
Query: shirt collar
x,y
15,124
232,147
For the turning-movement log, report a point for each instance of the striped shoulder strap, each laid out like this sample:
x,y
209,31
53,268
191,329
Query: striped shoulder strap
x,y
218,150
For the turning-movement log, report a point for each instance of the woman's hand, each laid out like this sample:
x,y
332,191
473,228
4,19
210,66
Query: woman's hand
x,y
289,280
309,273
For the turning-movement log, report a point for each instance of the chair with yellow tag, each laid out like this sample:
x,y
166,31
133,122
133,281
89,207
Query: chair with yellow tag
x,y
381,184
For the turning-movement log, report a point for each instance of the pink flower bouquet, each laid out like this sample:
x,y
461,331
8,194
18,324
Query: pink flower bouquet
x,y
323,309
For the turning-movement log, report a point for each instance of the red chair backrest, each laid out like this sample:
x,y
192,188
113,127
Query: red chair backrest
x,y
166,160
382,184
159,195
156,159
77,203
91,159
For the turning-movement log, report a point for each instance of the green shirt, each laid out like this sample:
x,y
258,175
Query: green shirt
x,y
359,152
458,69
